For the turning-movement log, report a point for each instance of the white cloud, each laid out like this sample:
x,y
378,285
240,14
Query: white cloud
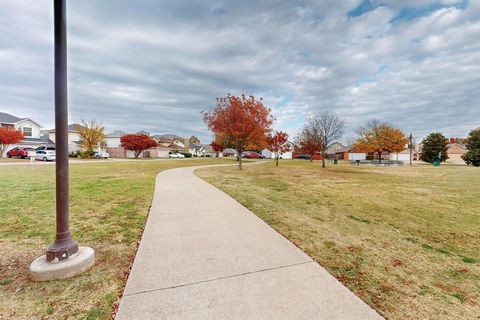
x,y
155,65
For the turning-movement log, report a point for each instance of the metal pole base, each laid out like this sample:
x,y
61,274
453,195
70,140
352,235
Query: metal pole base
x,y
61,250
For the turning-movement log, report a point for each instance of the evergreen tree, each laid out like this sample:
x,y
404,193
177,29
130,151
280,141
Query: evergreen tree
x,y
473,145
433,145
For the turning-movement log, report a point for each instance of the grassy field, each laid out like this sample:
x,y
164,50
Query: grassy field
x,y
109,205
404,239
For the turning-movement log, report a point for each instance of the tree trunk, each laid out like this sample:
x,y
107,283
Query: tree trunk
x,y
276,161
379,157
323,159
311,157
239,159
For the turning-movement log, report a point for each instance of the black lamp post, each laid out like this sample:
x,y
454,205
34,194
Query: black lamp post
x,y
64,258
63,247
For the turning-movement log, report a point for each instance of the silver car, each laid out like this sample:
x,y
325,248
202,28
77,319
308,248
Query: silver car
x,y
45,155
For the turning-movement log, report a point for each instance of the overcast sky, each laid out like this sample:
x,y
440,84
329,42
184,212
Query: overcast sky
x,y
154,65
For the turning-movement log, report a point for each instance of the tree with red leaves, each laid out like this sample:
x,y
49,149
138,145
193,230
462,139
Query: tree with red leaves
x,y
243,122
278,143
217,145
9,137
137,143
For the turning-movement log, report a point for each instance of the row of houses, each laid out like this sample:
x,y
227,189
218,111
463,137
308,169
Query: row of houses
x,y
35,137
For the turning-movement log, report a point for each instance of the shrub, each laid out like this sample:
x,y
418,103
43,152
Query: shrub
x,y
186,154
473,145
434,144
74,154
87,154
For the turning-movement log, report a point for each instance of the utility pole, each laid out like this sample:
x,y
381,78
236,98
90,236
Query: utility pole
x,y
64,258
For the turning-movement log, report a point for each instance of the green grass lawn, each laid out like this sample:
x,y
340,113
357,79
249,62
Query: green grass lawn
x,y
405,239
109,206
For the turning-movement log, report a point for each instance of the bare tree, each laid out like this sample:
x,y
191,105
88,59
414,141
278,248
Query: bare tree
x,y
330,127
319,132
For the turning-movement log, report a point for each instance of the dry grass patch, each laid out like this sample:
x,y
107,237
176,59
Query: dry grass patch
x,y
109,205
404,239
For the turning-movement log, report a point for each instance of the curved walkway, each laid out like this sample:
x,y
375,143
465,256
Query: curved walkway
x,y
205,256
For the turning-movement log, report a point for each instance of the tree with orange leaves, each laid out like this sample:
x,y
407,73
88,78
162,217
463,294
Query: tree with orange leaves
x,y
378,137
243,122
9,137
278,143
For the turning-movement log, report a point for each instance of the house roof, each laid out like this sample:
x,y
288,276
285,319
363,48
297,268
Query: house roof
x,y
116,134
143,132
10,119
71,127
207,148
168,136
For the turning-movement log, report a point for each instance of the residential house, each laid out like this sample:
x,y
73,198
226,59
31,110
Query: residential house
x,y
350,154
74,138
283,155
210,153
455,152
30,128
112,142
230,152
333,148
196,149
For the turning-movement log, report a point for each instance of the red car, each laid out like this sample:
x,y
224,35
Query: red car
x,y
20,152
252,155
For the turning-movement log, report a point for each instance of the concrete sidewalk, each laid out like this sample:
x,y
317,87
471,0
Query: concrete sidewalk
x,y
205,256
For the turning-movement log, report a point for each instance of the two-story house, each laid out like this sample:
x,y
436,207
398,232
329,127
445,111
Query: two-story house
x,y
30,128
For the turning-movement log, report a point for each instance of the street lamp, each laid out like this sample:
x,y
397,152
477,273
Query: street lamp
x,y
64,258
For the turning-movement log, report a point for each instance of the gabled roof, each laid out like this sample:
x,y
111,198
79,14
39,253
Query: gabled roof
x,y
10,119
207,148
71,127
116,134
336,142
194,146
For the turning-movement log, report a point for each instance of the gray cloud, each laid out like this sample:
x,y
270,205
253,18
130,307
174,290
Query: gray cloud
x,y
154,65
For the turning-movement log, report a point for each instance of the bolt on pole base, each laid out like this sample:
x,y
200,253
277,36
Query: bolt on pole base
x,y
61,250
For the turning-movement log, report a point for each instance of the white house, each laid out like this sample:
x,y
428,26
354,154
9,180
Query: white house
x,y
30,129
285,155
74,138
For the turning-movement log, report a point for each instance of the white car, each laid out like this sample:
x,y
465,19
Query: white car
x,y
45,155
176,155
101,155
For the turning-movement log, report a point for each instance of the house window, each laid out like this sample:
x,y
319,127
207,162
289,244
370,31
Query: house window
x,y
27,131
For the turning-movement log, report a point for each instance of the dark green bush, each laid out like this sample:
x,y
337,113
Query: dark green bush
x,y
186,154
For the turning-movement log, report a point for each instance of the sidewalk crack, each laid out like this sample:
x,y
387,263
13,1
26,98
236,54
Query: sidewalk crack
x,y
219,278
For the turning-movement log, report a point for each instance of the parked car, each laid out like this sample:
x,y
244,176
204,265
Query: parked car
x,y
176,155
21,153
303,156
252,155
45,155
101,155
45,148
